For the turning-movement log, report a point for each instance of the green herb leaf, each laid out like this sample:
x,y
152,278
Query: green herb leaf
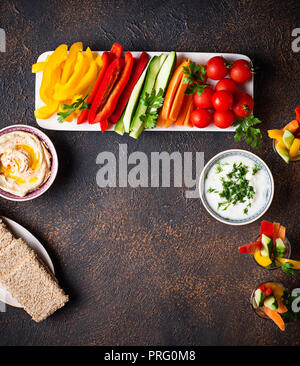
x,y
245,129
195,76
78,104
236,188
288,268
153,102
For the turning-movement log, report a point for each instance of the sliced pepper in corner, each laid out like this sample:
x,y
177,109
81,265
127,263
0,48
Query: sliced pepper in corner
x,y
39,66
137,69
251,248
116,50
52,73
297,111
106,86
47,110
83,117
71,61
295,148
66,91
111,103
267,229
262,261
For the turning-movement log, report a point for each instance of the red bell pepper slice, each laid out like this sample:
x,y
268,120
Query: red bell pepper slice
x,y
113,98
104,125
107,84
136,72
116,50
297,110
268,291
84,114
267,228
251,248
262,288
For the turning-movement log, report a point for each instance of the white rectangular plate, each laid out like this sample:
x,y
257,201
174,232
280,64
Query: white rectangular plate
x,y
198,57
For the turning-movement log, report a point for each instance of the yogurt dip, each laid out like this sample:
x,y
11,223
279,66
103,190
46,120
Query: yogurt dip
x,y
236,187
25,163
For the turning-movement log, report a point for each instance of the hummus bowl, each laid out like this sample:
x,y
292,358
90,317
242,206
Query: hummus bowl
x,y
52,165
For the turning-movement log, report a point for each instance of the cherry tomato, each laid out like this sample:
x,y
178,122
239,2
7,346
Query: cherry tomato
x,y
227,85
244,105
224,119
222,100
200,118
240,71
216,68
203,100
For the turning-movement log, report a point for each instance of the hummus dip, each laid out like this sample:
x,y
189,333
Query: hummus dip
x,y
25,163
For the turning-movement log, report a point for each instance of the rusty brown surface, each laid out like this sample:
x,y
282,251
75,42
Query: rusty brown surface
x,y
147,266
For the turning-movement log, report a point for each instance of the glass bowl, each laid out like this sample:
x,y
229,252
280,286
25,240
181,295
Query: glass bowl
x,y
287,253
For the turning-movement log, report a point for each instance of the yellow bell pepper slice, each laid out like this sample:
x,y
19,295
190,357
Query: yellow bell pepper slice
x,y
296,264
39,66
66,91
99,62
263,261
71,61
89,54
46,111
295,148
52,73
276,134
89,78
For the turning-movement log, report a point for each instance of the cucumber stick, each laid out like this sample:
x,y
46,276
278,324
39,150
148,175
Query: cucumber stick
x,y
165,73
137,126
133,100
119,127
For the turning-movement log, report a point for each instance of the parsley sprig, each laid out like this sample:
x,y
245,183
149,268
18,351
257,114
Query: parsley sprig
x,y
236,188
287,268
195,76
245,129
153,102
69,109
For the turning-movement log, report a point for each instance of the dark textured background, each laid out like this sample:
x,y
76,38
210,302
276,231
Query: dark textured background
x,y
147,266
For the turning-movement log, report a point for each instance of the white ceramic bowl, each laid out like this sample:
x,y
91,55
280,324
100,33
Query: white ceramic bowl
x,y
54,163
254,158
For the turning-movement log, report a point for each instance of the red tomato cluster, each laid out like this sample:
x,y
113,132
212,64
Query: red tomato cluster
x,y
224,104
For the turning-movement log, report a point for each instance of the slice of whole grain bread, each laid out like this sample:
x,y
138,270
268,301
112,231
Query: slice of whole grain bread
x,y
6,236
16,253
33,287
28,280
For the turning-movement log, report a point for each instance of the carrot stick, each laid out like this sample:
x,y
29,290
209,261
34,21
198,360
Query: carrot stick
x,y
187,100
171,91
187,117
281,308
160,122
292,126
178,99
277,319
281,233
